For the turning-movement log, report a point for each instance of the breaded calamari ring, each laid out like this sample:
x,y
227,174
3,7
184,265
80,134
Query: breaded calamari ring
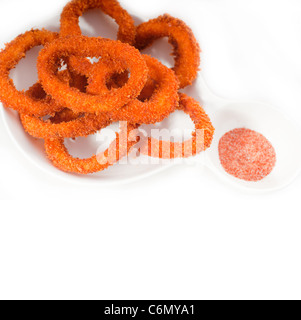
x,y
74,9
76,126
201,138
180,36
9,58
79,127
85,68
119,148
65,124
127,57
38,94
156,108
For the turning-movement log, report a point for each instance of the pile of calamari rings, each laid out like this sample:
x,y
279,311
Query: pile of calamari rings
x,y
76,97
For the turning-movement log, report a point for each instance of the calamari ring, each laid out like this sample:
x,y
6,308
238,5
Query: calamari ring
x,y
198,142
85,68
59,155
37,93
66,123
123,54
155,108
74,9
81,126
9,58
180,36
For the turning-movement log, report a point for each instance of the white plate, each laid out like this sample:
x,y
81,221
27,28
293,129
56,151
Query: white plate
x,y
94,23
226,115
33,150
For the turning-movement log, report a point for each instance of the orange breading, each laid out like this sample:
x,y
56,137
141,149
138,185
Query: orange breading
x,y
119,148
66,123
81,126
75,97
156,107
74,9
200,141
9,58
128,58
64,116
186,48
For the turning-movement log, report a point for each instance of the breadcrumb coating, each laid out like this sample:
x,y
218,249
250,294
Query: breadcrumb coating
x,y
186,48
91,47
74,9
66,123
9,58
123,85
119,148
201,138
163,100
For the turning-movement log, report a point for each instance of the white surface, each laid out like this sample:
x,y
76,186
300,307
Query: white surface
x,y
182,233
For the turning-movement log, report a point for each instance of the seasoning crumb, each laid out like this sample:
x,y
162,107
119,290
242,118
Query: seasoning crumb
x,y
247,154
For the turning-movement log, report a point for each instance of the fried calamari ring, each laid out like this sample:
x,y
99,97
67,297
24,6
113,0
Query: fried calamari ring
x,y
9,58
201,138
79,126
85,68
161,102
66,123
74,9
38,94
124,56
186,48
59,155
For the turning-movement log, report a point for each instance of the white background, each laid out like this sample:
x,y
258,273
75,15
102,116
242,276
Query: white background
x,y
181,234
